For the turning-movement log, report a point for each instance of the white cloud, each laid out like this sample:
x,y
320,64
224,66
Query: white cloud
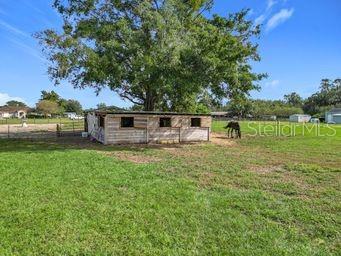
x,y
251,12
27,49
270,4
279,18
13,29
40,14
268,11
272,84
4,97
33,7
260,19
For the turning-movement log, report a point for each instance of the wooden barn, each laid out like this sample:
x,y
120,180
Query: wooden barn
x,y
147,127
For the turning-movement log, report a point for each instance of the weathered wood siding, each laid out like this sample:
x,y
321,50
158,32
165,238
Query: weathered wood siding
x,y
206,122
115,134
164,134
147,129
177,121
124,136
195,134
141,122
153,122
93,128
188,133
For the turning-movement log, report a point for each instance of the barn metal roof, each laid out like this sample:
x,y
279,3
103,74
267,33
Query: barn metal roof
x,y
335,110
300,115
148,113
219,113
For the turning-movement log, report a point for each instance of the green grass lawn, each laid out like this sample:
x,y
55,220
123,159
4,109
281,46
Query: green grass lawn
x,y
262,195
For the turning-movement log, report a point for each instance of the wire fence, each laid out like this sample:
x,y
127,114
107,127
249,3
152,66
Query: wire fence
x,y
57,120
40,128
256,119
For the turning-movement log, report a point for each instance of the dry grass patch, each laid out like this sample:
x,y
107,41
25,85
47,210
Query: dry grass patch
x,y
266,169
222,140
206,179
132,157
189,151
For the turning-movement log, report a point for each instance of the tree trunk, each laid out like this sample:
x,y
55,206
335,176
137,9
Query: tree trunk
x,y
149,104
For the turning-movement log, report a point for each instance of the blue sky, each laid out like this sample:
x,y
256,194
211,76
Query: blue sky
x,y
300,44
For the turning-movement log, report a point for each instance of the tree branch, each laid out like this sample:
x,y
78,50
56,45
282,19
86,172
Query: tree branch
x,y
125,96
156,5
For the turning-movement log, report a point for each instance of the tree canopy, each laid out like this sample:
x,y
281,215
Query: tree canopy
x,y
48,107
64,105
327,97
50,95
73,106
294,99
158,54
15,103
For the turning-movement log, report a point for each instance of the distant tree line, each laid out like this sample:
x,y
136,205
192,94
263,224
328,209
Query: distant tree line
x,y
104,107
327,97
259,108
50,103
15,103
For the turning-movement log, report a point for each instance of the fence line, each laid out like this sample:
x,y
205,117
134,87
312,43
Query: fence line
x,y
31,130
255,119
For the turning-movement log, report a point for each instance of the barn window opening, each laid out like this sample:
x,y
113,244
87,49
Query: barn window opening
x,y
195,122
127,121
165,122
101,121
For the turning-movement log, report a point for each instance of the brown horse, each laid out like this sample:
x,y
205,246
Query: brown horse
x,y
231,127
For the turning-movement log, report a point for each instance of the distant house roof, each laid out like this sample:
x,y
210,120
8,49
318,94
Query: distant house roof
x,y
300,115
335,111
148,113
11,109
219,113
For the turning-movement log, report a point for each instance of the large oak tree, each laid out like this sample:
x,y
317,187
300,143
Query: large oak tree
x,y
160,54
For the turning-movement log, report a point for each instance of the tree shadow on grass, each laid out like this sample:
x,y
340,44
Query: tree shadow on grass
x,y
75,143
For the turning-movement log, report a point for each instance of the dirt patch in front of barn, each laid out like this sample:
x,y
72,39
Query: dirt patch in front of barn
x,y
222,140
135,154
132,157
